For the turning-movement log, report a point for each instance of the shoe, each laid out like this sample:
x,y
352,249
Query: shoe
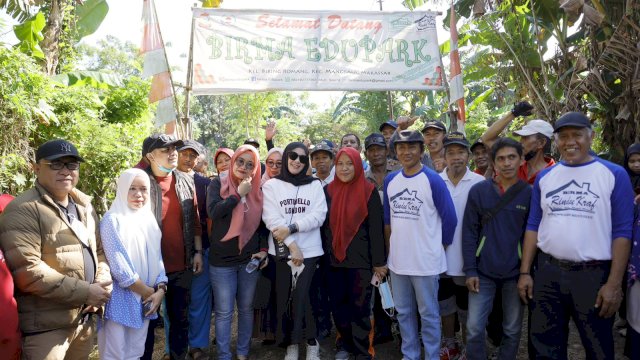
x,y
449,353
292,352
342,354
313,351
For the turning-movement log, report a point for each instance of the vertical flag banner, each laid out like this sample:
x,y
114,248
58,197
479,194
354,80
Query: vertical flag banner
x,y
456,88
156,65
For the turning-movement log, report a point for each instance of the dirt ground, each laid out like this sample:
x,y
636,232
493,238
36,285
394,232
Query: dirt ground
x,y
388,351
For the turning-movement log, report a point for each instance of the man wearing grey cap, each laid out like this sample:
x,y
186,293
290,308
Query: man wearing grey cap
x,y
580,226
52,246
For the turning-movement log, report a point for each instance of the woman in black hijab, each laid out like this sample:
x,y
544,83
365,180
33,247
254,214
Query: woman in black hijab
x,y
294,210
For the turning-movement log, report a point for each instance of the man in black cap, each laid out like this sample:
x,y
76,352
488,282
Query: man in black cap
x,y
452,292
322,161
387,129
580,226
50,238
420,221
480,157
201,300
433,133
376,152
174,203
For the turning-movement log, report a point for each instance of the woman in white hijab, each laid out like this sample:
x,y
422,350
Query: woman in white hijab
x,y
131,241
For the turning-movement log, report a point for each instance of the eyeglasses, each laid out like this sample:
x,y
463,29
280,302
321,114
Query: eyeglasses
x,y
58,165
241,163
293,156
276,164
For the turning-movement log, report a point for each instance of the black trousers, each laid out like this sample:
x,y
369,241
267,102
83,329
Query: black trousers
x,y
177,299
293,307
350,296
561,292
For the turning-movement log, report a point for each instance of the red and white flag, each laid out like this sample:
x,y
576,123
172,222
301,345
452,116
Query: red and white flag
x,y
456,90
156,65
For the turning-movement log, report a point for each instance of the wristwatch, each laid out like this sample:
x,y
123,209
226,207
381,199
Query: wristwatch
x,y
162,286
198,251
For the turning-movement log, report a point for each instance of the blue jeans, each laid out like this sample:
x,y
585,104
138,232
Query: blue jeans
x,y
480,305
411,293
233,285
200,307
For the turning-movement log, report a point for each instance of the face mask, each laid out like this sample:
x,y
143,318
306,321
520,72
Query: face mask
x,y
162,168
530,155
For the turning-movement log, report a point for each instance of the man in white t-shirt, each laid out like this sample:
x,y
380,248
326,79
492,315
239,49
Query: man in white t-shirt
x,y
452,292
580,226
420,220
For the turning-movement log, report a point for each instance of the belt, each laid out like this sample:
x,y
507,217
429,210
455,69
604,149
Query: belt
x,y
576,265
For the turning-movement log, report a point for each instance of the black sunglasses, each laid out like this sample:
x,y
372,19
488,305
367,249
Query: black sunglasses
x,y
293,156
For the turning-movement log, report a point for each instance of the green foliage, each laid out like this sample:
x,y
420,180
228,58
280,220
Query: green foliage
x,y
90,14
128,103
112,56
29,35
19,9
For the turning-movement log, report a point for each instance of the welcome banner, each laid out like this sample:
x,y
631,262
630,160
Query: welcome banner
x,y
260,50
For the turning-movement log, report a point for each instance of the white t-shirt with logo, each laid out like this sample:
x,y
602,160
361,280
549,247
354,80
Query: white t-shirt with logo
x,y
459,194
422,217
578,210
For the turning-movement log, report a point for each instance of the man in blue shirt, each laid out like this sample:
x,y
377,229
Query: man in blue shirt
x,y
493,227
580,227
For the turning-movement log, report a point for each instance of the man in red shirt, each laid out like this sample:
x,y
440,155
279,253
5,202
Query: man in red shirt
x,y
174,203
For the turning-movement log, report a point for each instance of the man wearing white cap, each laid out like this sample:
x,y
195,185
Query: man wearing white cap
x,y
535,138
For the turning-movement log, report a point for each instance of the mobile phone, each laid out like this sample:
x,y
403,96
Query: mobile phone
x,y
375,280
147,307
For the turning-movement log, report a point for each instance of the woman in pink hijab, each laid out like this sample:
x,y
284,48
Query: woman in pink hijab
x,y
234,204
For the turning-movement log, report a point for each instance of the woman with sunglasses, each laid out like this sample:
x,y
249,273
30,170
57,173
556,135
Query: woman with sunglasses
x,y
353,235
294,210
234,204
273,164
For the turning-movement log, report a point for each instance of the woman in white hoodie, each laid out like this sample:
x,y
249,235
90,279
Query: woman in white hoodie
x,y
294,210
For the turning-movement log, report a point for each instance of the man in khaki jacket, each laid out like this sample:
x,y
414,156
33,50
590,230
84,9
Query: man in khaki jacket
x,y
51,243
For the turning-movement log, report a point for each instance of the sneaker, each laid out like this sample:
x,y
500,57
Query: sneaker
x,y
292,352
313,351
449,353
342,354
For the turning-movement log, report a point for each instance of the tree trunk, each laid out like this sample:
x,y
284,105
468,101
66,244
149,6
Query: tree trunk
x,y
53,29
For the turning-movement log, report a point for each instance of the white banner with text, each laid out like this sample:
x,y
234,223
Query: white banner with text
x,y
263,50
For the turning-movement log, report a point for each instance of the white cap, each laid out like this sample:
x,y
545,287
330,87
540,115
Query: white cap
x,y
536,127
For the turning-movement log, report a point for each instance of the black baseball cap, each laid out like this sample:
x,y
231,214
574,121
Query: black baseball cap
x,y
193,145
435,125
56,149
252,141
408,136
159,141
322,146
374,139
391,123
455,138
476,144
573,119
